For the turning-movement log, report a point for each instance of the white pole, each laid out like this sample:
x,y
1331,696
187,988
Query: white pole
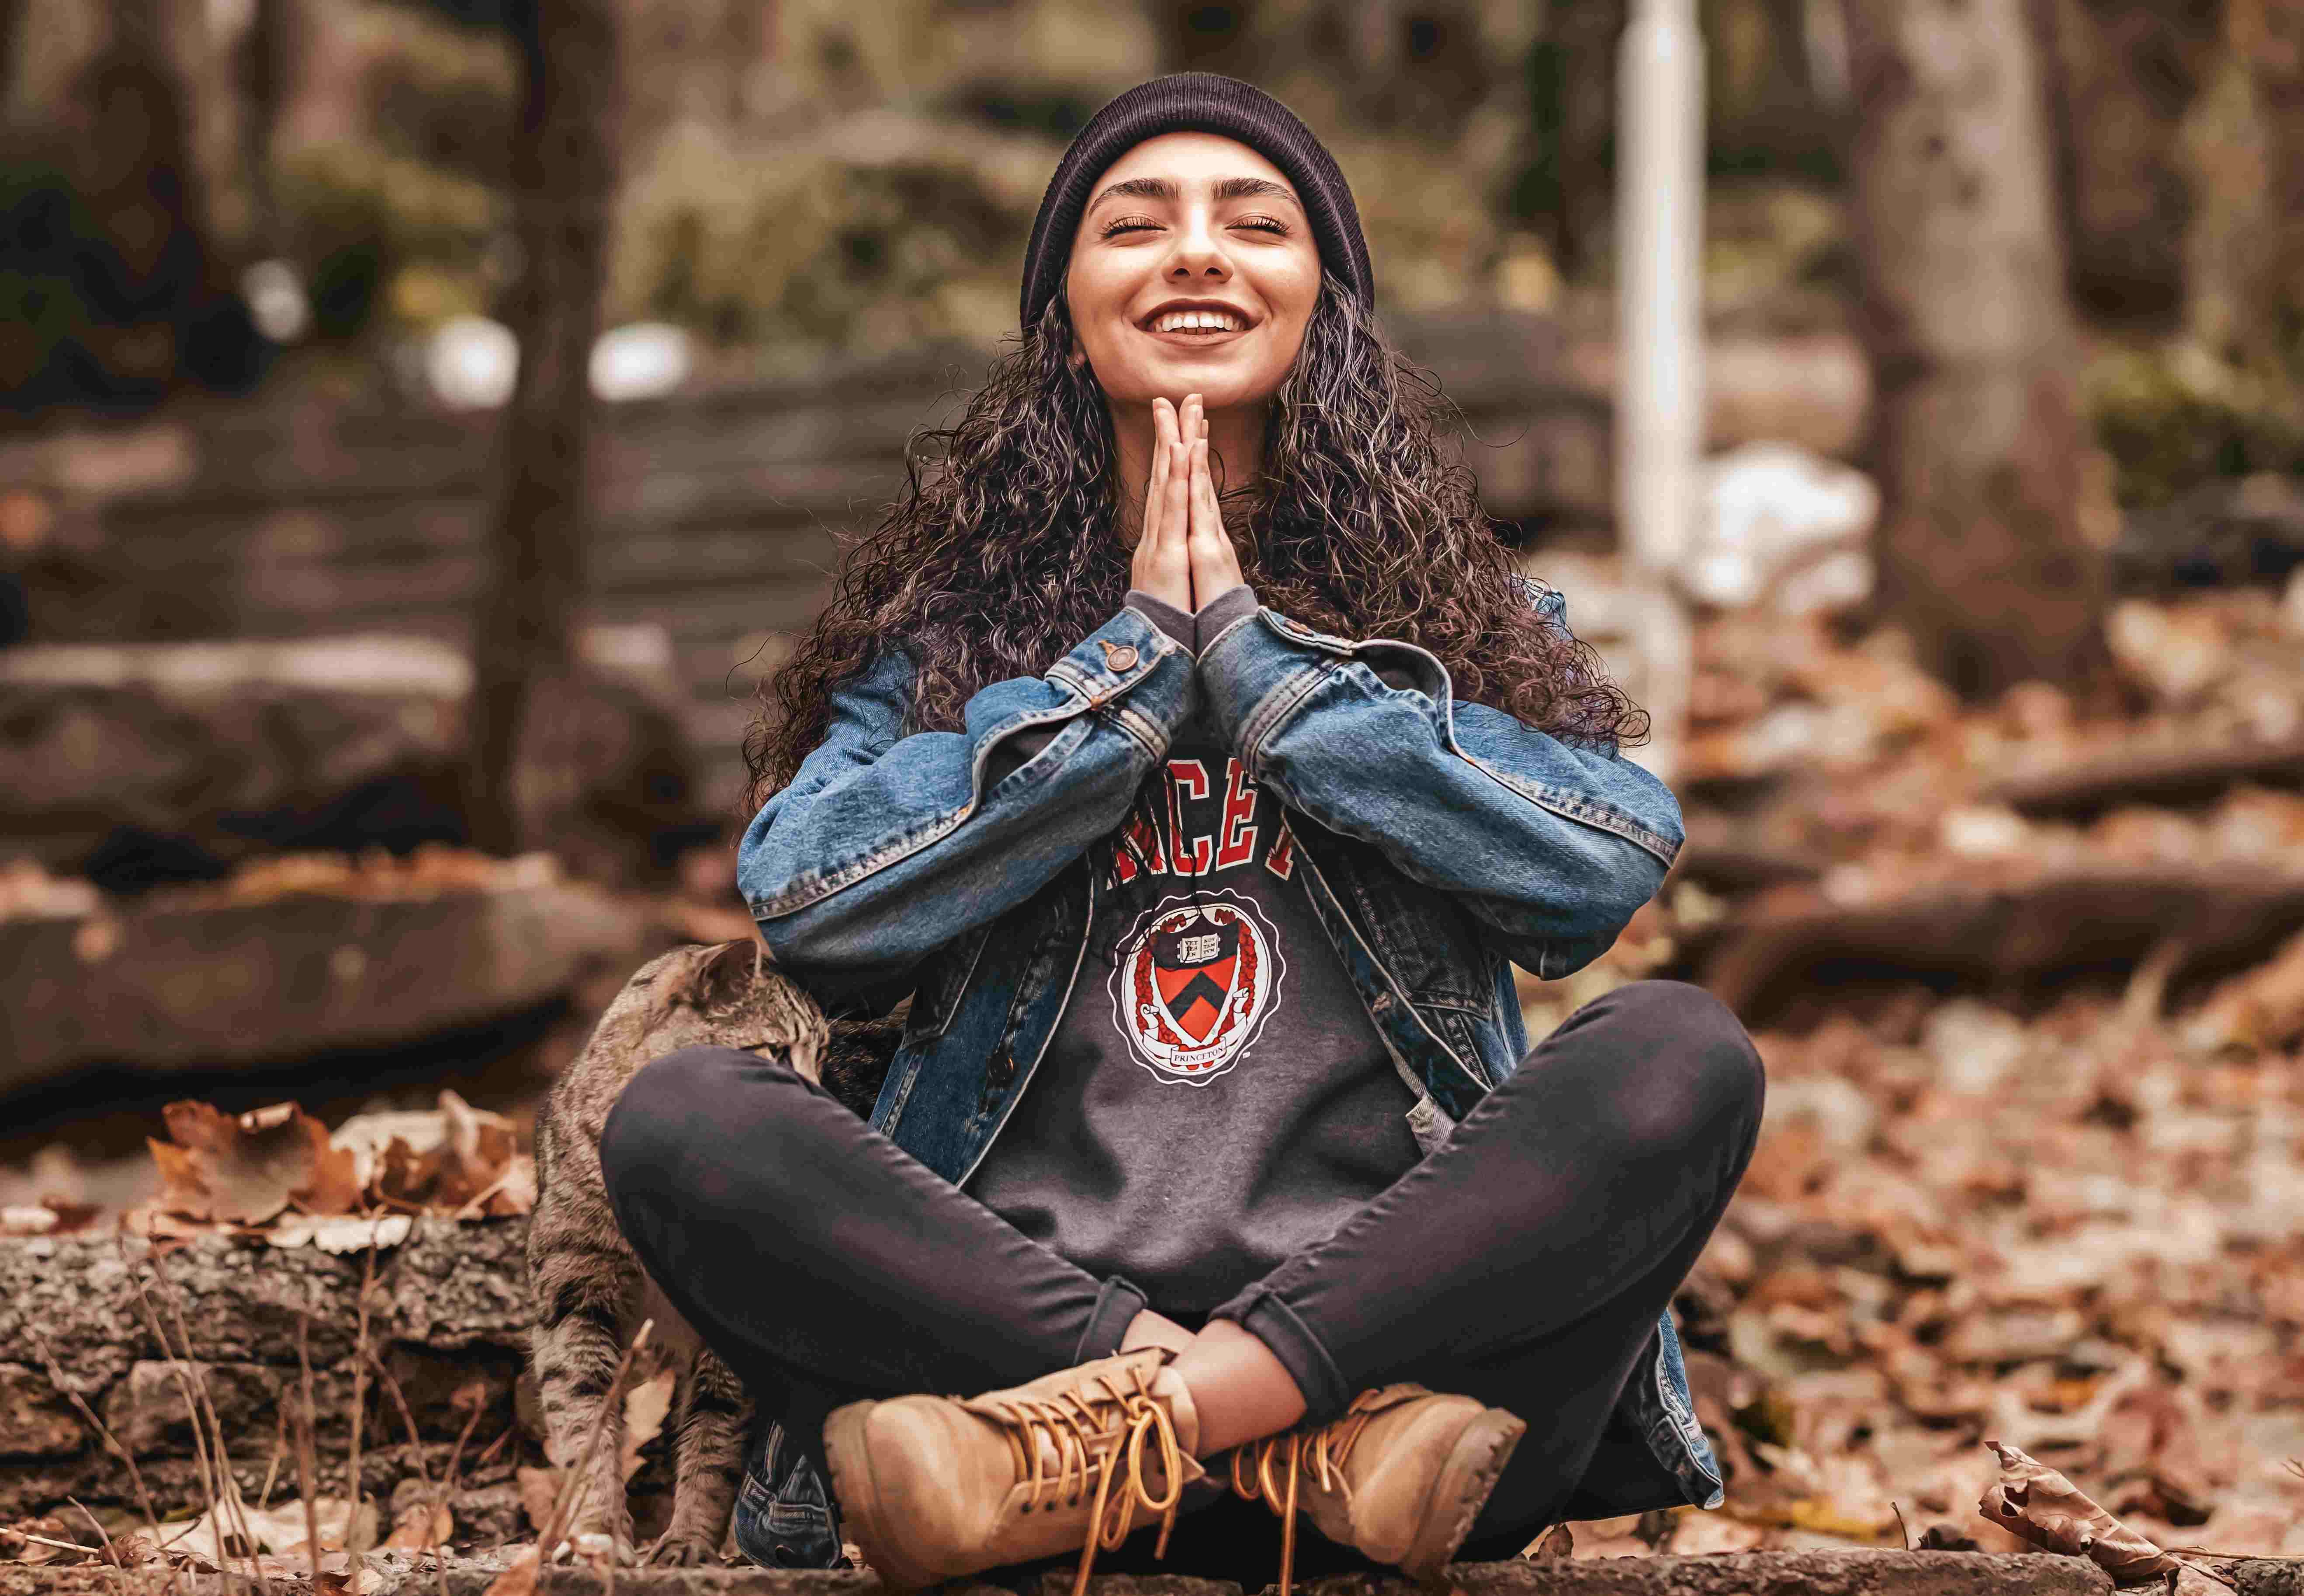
x,y
1660,356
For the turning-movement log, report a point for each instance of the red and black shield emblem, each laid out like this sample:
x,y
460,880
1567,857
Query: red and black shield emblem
x,y
1194,967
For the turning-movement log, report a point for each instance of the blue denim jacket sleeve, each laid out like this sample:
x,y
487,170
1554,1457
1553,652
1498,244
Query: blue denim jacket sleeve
x,y
884,847
1549,845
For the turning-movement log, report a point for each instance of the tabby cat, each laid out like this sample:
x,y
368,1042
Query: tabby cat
x,y
590,1290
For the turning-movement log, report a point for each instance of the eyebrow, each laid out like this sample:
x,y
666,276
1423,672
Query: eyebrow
x,y
1225,188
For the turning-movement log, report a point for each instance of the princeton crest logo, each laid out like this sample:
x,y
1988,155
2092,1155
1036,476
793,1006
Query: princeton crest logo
x,y
1196,985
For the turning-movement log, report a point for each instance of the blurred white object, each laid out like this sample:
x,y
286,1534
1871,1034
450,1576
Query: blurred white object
x,y
277,301
644,359
473,362
1780,524
1660,395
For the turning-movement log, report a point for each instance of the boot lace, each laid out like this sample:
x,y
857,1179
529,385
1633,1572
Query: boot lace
x,y
1324,1448
1098,1434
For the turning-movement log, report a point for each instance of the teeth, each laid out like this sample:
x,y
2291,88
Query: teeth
x,y
1195,318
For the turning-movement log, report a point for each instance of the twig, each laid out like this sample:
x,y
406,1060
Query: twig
x,y
307,1462
103,1433
573,1492
494,1446
206,1400
360,1407
110,1550
279,1446
1903,1528
472,1210
415,1440
225,1509
448,1489
59,1545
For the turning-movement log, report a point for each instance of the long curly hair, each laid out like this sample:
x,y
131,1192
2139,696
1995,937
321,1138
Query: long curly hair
x,y
1004,550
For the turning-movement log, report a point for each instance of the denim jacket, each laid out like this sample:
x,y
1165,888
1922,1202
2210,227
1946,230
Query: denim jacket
x,y
1444,841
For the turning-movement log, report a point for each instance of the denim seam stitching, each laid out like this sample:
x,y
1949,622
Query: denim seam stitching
x,y
983,935
1398,992
814,888
1605,817
1275,708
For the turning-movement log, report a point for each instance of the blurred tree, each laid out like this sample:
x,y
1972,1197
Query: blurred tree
x,y
2121,80
1563,185
262,71
110,291
1976,433
563,167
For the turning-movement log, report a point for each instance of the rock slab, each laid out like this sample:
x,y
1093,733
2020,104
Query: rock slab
x,y
1852,1573
448,1313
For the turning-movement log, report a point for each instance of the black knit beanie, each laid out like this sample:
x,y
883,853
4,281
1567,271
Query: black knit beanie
x,y
1208,102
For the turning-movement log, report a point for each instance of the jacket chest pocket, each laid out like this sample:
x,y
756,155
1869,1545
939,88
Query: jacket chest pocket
x,y
941,987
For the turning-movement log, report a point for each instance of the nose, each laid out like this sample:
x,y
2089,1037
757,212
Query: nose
x,y
1198,251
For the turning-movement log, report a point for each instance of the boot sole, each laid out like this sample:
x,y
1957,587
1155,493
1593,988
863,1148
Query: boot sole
x,y
1461,1490
858,1495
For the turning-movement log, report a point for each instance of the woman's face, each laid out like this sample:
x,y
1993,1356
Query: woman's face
x,y
1192,216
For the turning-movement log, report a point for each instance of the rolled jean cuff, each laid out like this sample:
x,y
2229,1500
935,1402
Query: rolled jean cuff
x,y
1274,1323
1117,1305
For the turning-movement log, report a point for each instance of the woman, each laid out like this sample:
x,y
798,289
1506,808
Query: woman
x,y
1202,828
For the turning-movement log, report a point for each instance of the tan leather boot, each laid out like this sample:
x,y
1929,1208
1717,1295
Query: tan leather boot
x,y
936,1487
1400,1477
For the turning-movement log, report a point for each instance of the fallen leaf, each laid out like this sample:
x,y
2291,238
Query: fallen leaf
x,y
539,1490
645,1405
26,1220
519,1577
2040,1505
248,1167
1555,1545
422,1526
340,1233
1700,1534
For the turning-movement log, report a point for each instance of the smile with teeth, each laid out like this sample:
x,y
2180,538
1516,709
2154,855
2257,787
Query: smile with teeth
x,y
1197,321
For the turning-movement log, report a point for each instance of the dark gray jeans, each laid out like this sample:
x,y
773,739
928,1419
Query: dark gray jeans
x,y
1524,1262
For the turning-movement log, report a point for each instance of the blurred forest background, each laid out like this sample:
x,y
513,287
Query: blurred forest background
x,y
371,698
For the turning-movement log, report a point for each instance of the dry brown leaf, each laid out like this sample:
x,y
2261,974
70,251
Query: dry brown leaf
x,y
2037,1503
245,1169
477,1153
539,1493
646,1406
404,1176
1555,1545
335,1188
519,1577
421,1527
516,1191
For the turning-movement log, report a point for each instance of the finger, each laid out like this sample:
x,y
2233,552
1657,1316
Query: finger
x,y
1176,514
1147,531
1214,556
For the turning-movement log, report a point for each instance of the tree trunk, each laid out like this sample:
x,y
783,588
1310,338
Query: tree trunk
x,y
1566,183
2121,80
563,174
266,59
1975,434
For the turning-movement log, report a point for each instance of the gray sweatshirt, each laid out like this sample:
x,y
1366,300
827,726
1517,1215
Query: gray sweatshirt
x,y
1214,1097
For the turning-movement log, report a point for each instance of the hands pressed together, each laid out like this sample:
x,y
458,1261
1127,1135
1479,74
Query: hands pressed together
x,y
1184,557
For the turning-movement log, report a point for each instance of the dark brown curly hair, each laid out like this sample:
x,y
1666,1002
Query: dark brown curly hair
x,y
1004,551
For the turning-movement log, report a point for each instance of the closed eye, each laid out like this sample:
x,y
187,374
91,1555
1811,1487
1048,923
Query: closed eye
x,y
1133,223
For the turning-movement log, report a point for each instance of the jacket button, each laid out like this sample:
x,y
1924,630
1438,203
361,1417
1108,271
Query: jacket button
x,y
1003,1069
1121,657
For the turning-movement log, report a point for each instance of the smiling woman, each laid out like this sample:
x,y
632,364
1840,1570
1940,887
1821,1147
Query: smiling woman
x,y
1185,751
1193,270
